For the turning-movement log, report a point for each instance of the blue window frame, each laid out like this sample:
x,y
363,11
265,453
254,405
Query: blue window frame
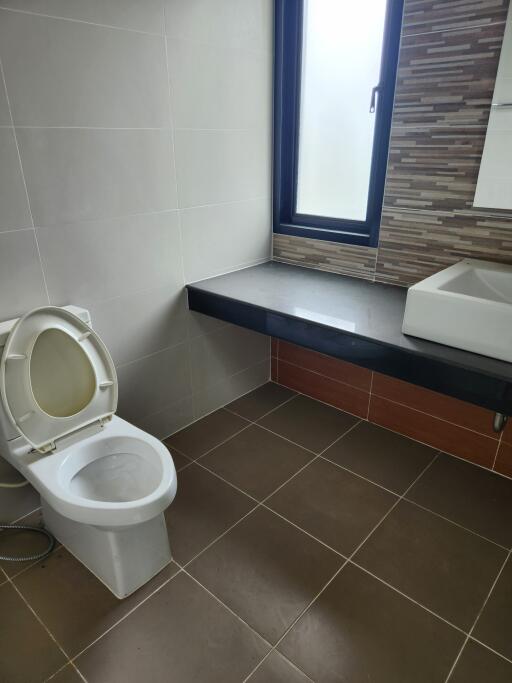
x,y
287,94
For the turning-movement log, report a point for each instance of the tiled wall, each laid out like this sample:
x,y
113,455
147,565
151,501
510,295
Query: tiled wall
x,y
447,67
135,156
448,424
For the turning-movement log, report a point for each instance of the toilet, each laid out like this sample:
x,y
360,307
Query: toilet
x,y
104,483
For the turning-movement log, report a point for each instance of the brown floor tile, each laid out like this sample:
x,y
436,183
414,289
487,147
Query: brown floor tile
x,y
477,664
309,423
180,460
337,394
360,630
437,433
444,567
471,496
260,401
66,675
266,571
388,459
210,431
203,509
276,669
333,505
14,503
181,634
494,627
431,402
18,542
328,366
257,461
73,603
27,653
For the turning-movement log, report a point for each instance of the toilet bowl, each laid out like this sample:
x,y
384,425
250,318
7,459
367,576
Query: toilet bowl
x,y
104,483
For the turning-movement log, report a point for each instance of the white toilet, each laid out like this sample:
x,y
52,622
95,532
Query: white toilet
x,y
104,483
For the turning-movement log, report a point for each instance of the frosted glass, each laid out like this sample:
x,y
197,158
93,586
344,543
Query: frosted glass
x,y
341,56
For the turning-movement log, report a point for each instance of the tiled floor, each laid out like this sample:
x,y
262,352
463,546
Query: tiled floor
x,y
308,546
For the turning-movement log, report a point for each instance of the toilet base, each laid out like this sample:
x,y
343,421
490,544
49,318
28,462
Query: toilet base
x,y
123,558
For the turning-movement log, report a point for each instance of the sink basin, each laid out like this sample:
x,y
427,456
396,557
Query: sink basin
x,y
468,305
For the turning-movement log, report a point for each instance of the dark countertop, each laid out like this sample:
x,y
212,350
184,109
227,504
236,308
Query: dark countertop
x,y
369,310
354,320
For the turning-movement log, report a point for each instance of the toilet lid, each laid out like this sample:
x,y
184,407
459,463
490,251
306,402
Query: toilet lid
x,y
56,376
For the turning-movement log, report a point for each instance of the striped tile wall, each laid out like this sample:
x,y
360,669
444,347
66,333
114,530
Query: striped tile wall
x,y
345,259
447,66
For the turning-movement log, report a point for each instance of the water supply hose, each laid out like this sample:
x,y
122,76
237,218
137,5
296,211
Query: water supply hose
x,y
20,527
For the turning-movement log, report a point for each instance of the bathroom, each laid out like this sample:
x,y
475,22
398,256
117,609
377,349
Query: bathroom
x,y
255,341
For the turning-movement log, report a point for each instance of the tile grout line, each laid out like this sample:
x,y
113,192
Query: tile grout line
x,y
468,636
239,618
121,619
38,618
80,21
488,647
295,621
248,513
370,481
258,504
497,451
407,597
405,436
29,206
320,374
370,396
372,393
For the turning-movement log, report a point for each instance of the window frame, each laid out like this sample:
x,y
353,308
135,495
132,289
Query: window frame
x,y
288,24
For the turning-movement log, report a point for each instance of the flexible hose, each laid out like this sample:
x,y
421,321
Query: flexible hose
x,y
38,556
51,540
14,486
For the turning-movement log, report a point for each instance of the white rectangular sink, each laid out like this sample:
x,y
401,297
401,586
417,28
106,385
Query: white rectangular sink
x,y
468,306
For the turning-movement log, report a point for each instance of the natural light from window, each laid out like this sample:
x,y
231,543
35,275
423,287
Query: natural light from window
x,y
341,55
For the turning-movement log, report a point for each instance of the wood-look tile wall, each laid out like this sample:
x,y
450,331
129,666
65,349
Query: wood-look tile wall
x,y
447,67
453,426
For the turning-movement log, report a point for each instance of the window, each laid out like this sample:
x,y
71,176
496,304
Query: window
x,y
335,69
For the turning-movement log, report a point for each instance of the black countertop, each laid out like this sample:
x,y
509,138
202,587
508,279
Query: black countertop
x,y
268,297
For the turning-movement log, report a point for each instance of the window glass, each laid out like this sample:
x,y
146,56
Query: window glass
x,y
341,58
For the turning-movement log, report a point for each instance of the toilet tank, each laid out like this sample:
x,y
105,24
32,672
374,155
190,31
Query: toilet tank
x,y
7,430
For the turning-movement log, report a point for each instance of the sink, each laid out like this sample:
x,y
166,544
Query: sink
x,y
468,306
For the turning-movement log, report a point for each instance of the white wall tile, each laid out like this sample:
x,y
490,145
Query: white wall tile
x,y
230,388
21,276
77,174
234,23
148,384
5,117
218,355
219,87
137,325
221,166
89,262
14,209
170,419
199,324
222,237
62,73
131,14
100,177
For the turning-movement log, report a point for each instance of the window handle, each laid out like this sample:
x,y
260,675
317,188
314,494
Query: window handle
x,y
375,90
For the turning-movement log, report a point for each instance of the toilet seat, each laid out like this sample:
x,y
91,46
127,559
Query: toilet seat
x,y
56,377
